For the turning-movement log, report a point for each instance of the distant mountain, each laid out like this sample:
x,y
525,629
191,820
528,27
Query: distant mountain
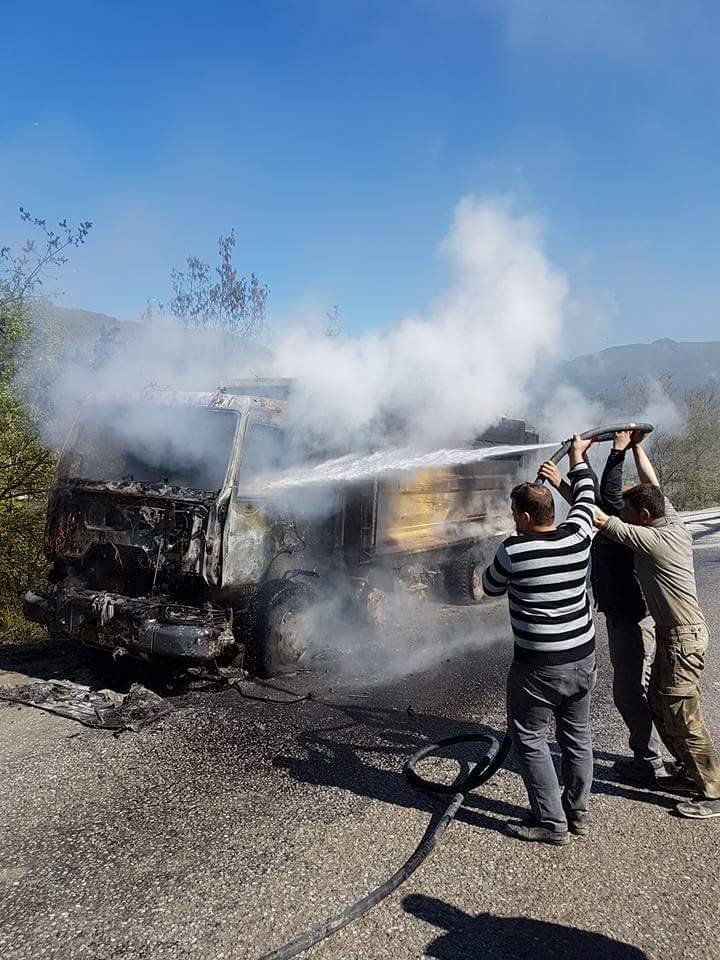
x,y
87,335
65,328
688,363
83,322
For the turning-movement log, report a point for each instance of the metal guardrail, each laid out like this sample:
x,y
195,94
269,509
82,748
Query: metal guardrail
x,y
703,525
701,516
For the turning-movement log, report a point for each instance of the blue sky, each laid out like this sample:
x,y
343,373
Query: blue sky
x,y
337,136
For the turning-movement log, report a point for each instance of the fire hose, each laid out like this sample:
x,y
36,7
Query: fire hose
x,y
488,763
600,434
485,767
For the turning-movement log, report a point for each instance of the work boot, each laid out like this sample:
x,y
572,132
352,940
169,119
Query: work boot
x,y
528,830
701,808
578,821
678,782
642,772
579,824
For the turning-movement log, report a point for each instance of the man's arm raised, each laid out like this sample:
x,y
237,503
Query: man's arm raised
x,y
583,487
645,469
551,472
611,498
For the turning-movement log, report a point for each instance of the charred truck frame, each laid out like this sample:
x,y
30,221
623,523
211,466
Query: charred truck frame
x,y
157,558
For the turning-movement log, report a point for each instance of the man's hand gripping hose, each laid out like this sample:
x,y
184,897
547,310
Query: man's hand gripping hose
x,y
486,766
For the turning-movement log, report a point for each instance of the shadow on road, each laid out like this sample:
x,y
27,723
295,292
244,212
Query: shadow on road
x,y
61,659
607,782
466,937
365,753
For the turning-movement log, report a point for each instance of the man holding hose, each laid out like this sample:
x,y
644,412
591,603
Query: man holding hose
x,y
543,568
631,637
662,547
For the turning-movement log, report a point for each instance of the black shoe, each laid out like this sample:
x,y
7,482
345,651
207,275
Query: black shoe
x,y
579,824
672,766
527,831
642,772
677,783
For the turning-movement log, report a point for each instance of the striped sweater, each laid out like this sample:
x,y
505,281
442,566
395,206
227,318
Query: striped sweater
x,y
545,576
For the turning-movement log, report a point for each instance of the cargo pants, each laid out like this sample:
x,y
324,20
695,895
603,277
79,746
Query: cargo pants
x,y
632,651
675,702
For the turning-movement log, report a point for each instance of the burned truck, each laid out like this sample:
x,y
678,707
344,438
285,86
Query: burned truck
x,y
164,543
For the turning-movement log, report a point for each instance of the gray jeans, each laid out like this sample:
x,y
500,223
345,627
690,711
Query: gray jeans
x,y
535,694
632,650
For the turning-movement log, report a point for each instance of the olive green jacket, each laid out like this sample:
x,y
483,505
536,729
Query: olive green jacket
x,y
664,565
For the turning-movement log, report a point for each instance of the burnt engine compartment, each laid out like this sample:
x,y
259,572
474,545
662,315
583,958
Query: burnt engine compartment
x,y
127,572
129,538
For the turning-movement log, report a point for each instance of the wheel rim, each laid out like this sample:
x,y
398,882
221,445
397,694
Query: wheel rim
x,y
476,587
290,639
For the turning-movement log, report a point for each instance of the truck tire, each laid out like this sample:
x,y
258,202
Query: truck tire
x,y
463,575
281,642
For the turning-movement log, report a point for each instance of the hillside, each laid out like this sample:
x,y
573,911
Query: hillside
x,y
79,325
689,363
87,336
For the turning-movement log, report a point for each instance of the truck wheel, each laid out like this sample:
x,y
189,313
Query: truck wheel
x,y
282,631
463,576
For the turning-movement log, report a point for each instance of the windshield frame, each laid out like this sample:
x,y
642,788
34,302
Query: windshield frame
x,y
69,449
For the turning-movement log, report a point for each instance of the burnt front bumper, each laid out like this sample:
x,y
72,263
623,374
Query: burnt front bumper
x,y
143,627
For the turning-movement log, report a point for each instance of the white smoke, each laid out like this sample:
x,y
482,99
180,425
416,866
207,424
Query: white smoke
x,y
414,635
661,409
566,410
432,380
450,373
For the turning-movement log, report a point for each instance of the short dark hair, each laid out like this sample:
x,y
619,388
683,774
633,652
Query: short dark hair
x,y
646,496
535,500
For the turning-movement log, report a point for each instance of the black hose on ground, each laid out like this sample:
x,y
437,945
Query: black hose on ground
x,y
289,700
486,766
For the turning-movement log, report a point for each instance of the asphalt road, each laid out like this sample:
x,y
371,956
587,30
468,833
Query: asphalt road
x,y
235,824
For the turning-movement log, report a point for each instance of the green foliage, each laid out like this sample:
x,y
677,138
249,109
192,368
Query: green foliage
x,y
686,456
205,297
26,466
22,560
688,462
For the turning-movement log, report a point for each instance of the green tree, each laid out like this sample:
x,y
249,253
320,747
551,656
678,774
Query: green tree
x,y
688,462
205,297
687,458
25,464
